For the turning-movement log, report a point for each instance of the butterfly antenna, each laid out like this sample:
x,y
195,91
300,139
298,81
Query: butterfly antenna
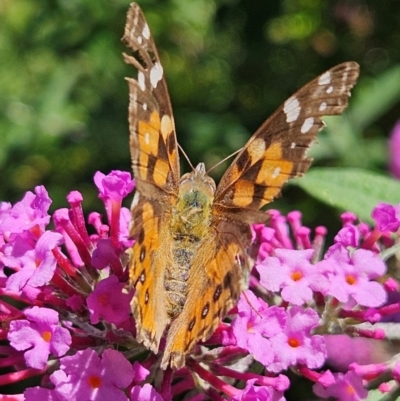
x,y
223,160
186,157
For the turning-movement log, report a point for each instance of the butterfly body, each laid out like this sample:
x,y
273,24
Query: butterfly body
x,y
189,262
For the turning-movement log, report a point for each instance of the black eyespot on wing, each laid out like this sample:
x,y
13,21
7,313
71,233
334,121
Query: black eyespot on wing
x,y
191,324
205,310
142,253
217,292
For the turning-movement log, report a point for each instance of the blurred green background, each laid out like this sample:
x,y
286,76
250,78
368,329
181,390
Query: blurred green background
x,y
229,65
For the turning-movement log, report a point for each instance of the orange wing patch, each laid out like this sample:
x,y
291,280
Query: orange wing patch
x,y
147,265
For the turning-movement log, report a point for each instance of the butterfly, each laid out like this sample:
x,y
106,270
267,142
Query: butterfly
x,y
189,262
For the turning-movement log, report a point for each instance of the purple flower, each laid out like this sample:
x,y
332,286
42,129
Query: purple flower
x,y
254,323
104,254
84,376
258,393
40,335
36,265
114,186
387,217
346,387
39,394
394,151
145,393
28,214
292,272
108,302
350,277
140,372
295,344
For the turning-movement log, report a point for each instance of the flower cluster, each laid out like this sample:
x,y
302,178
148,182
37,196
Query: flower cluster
x,y
65,319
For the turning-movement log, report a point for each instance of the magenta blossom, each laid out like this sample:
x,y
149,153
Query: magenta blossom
x,y
108,302
351,277
387,217
252,392
86,376
114,186
296,344
255,322
292,272
346,387
39,336
35,265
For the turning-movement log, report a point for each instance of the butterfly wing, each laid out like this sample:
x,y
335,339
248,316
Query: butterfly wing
x,y
153,142
155,164
277,151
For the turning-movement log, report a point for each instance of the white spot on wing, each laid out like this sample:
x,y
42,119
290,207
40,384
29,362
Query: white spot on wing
x,y
325,78
156,74
292,109
307,125
146,31
139,40
144,105
322,107
147,138
141,82
330,89
276,172
292,145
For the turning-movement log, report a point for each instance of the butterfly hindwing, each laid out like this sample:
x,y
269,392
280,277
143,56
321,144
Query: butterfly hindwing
x,y
277,151
216,280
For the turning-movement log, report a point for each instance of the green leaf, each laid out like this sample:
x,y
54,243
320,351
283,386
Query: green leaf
x,y
350,189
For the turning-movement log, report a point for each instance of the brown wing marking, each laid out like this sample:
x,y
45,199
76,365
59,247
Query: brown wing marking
x,y
277,151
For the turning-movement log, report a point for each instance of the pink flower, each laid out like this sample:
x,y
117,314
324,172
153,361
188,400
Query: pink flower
x,y
350,276
114,186
292,272
145,393
30,212
108,302
346,387
40,335
36,264
86,376
253,392
295,344
254,324
387,217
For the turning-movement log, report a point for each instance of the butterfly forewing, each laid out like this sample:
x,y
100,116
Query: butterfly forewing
x,y
277,151
153,143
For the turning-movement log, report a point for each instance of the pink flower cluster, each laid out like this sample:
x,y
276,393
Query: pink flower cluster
x,y
65,316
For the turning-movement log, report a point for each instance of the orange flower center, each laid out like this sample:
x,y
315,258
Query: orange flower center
x,y
350,279
103,299
296,276
46,335
94,381
294,342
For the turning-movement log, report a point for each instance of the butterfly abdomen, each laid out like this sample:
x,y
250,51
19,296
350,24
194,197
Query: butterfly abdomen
x,y
189,226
